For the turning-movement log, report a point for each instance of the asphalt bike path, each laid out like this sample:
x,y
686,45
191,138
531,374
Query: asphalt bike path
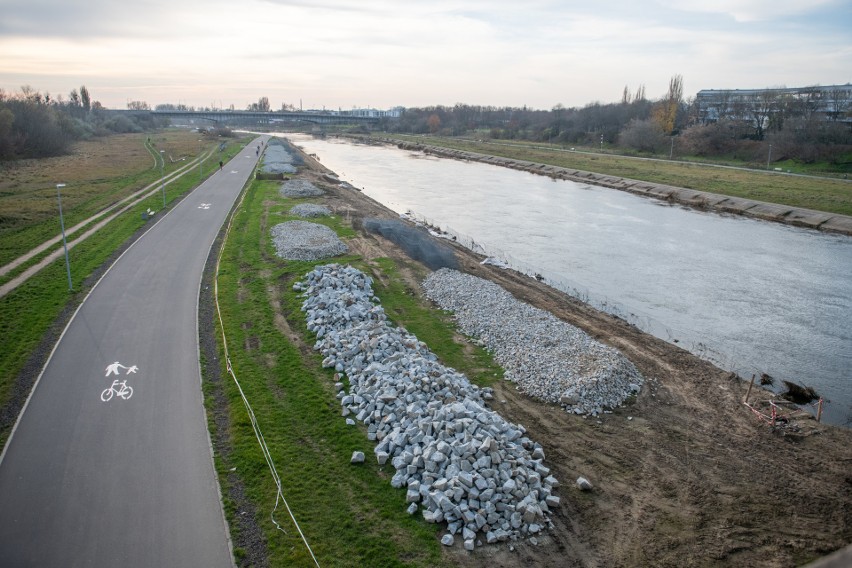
x,y
110,462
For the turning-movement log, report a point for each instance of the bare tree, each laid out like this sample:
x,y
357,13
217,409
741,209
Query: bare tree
x,y
838,103
643,135
759,109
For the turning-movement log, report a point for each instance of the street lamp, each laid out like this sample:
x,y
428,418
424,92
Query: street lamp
x,y
769,157
162,176
64,242
200,162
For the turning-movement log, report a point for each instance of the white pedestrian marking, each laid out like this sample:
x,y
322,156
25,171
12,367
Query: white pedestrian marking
x,y
113,369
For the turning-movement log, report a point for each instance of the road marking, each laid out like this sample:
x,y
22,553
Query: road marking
x,y
123,391
113,369
205,206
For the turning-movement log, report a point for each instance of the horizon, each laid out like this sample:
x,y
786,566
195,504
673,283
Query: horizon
x,y
374,54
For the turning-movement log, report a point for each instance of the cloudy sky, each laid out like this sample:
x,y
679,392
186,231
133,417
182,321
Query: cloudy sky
x,y
384,53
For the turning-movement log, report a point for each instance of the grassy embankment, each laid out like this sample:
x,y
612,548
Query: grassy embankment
x,y
822,194
100,172
350,514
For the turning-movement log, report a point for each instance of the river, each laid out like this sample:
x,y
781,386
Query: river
x,y
752,296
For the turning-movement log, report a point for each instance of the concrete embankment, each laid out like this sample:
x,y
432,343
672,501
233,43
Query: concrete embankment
x,y
809,218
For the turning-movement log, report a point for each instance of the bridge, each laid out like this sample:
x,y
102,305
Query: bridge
x,y
271,117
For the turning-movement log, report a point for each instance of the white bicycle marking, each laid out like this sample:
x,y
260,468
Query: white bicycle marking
x,y
123,391
205,206
120,388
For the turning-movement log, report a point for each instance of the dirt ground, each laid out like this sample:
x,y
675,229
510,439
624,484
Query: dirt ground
x,y
686,475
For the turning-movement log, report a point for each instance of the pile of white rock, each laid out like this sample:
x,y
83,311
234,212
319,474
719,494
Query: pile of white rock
x,y
302,240
460,462
276,159
310,210
299,188
548,358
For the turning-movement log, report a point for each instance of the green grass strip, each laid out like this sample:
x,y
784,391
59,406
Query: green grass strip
x,y
350,514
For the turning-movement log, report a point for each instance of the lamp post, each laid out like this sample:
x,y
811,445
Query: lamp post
x,y
769,157
162,176
671,150
64,242
200,162
601,142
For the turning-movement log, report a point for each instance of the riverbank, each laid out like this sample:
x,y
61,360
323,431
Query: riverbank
x,y
685,475
797,216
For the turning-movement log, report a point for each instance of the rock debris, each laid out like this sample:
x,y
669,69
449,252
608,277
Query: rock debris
x,y
460,463
548,358
303,240
277,159
299,188
310,210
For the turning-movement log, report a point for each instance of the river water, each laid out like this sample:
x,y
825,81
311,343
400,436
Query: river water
x,y
751,296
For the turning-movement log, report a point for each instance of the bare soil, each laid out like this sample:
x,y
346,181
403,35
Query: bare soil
x,y
684,475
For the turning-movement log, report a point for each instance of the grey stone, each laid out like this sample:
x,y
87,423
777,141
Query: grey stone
x,y
452,454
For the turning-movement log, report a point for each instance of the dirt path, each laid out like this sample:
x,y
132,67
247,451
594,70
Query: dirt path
x,y
684,476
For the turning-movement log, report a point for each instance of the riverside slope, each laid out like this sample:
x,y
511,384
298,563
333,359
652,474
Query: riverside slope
x,y
685,475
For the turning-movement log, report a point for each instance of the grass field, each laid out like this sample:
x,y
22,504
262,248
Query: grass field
x,y
819,193
350,514
27,313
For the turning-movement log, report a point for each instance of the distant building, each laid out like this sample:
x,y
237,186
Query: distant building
x,y
395,112
831,103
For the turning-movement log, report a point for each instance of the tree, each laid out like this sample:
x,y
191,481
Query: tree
x,y
666,111
142,105
434,122
838,104
759,109
643,135
85,100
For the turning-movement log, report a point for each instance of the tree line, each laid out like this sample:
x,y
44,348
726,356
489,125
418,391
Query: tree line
x,y
671,124
37,125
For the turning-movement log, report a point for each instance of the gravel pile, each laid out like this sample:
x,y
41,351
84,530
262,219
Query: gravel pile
x,y
301,240
299,188
460,462
277,159
310,210
549,359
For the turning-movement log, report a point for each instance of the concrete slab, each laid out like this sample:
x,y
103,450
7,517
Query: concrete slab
x,y
838,224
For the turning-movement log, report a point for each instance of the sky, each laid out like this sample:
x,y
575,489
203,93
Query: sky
x,y
413,53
